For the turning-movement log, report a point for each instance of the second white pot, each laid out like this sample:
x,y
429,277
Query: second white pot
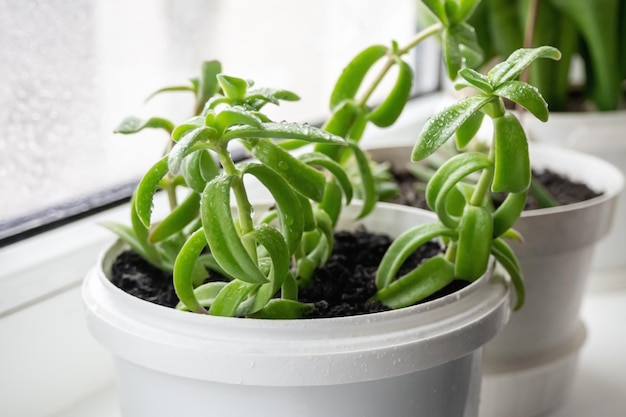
x,y
600,134
530,364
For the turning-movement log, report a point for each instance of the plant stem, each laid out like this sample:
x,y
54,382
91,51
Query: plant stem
x,y
425,33
244,208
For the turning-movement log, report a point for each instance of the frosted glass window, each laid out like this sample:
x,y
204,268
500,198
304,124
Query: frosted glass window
x,y
70,70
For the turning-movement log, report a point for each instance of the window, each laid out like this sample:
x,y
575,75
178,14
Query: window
x,y
72,70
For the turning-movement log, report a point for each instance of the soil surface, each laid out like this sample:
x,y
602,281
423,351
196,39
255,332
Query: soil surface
x,y
562,189
342,287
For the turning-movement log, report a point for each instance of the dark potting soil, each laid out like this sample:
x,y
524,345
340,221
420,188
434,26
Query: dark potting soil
x,y
342,287
564,190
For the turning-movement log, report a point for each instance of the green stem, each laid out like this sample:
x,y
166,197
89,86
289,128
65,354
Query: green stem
x,y
244,208
425,33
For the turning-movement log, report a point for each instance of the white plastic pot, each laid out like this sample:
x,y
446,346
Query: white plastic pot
x,y
423,360
602,134
529,366
556,258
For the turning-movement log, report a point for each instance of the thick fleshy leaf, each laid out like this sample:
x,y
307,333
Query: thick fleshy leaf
x,y
284,309
474,243
183,271
205,294
306,180
236,116
353,74
279,254
290,212
177,219
466,132
190,124
368,185
321,160
230,298
451,53
471,78
284,130
437,7
170,89
387,112
517,62
134,124
512,171
453,171
506,257
403,246
526,96
221,234
234,88
439,128
193,140
207,84
198,168
425,280
146,189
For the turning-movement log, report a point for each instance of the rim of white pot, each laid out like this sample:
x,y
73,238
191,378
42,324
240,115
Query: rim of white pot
x,y
596,173
591,218
301,352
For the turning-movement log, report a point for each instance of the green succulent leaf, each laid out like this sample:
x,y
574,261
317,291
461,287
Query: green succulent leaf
x,y
134,124
170,89
221,234
276,247
306,180
262,96
466,132
403,246
192,141
508,212
506,258
284,309
438,8
288,205
517,62
207,84
451,53
467,40
331,202
147,188
472,78
368,191
428,278
183,271
180,217
446,178
321,160
351,78
234,88
284,130
474,243
439,128
191,124
229,299
512,171
526,96
198,168
388,111
205,294
236,116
